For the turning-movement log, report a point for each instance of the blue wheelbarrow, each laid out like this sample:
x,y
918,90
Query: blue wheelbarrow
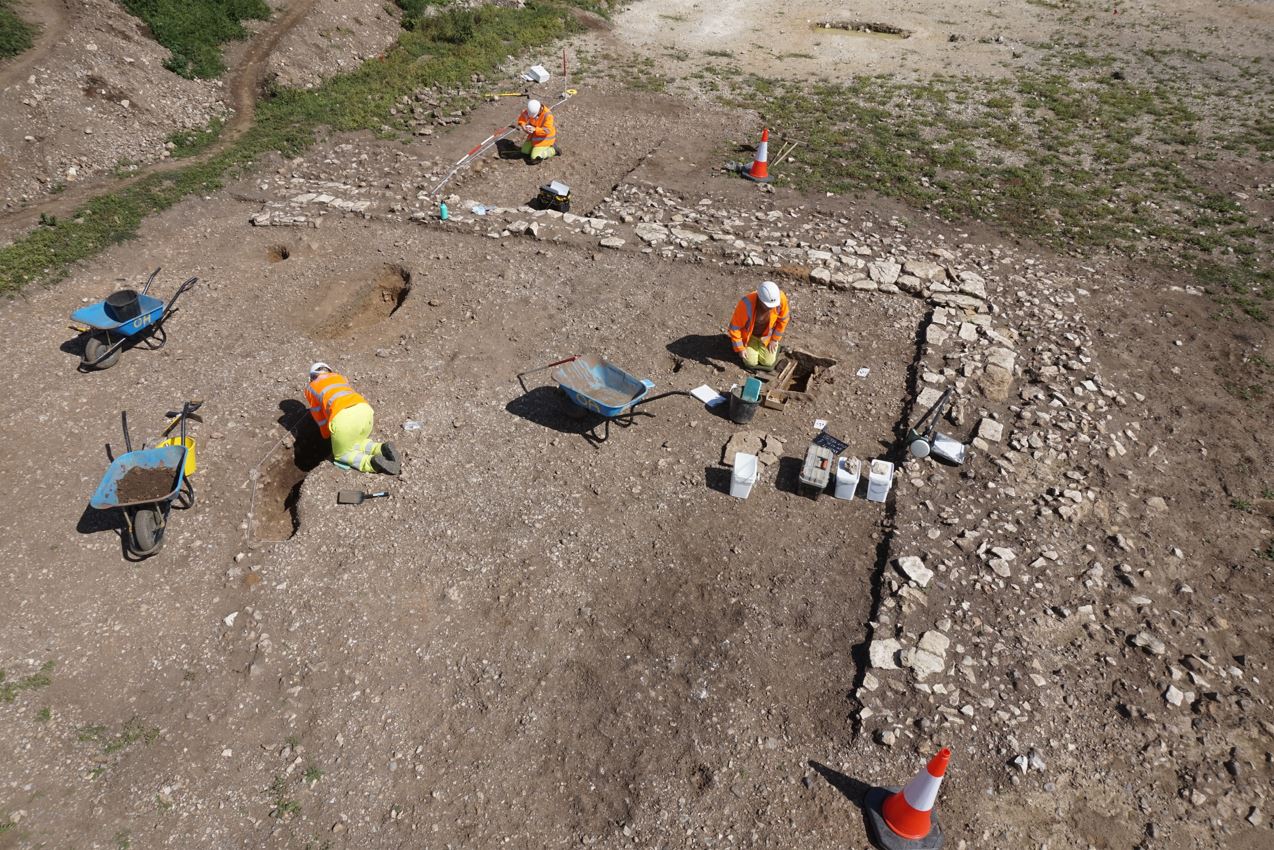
x,y
125,317
145,484
594,385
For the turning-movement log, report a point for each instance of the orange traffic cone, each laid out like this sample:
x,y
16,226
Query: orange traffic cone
x,y
760,171
904,820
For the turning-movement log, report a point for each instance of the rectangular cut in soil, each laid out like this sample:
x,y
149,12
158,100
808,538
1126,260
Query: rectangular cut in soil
x,y
145,485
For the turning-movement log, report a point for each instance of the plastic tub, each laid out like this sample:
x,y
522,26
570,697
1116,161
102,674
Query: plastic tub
x,y
880,477
848,471
743,475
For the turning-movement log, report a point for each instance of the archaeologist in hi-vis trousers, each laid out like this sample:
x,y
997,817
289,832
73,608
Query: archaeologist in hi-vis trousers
x,y
758,323
345,416
541,131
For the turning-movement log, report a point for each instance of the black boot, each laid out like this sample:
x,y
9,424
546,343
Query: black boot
x,y
387,461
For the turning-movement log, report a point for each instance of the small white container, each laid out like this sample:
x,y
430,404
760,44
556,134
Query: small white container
x,y
879,479
743,476
848,471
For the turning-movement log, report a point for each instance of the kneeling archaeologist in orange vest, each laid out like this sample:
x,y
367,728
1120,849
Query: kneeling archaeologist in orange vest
x,y
541,131
345,417
758,323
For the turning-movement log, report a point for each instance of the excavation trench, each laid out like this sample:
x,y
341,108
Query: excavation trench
x,y
348,305
277,505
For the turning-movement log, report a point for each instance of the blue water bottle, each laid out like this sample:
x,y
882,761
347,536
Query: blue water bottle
x,y
442,210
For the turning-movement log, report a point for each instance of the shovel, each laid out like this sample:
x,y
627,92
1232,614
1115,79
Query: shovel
x,y
922,440
354,497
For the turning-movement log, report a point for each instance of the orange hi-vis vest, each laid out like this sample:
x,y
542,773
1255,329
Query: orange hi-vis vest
x,y
743,322
544,132
327,395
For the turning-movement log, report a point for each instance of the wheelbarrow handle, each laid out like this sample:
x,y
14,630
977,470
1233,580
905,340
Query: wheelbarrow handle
x,y
128,440
151,280
522,375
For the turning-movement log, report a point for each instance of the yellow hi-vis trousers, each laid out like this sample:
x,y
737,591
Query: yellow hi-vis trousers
x,y
351,430
758,354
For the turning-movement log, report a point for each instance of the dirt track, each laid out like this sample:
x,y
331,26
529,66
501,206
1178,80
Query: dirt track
x,y
243,83
51,17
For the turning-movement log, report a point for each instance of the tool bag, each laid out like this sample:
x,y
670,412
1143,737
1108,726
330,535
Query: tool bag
x,y
554,196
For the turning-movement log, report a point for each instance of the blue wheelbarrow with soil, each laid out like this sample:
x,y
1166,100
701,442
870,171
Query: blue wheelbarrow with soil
x,y
592,384
125,318
147,483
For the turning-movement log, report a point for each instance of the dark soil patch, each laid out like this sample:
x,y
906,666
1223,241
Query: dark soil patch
x,y
277,253
145,485
865,27
95,86
349,306
279,490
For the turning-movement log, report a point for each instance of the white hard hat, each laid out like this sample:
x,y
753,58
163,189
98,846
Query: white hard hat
x,y
532,106
320,366
769,293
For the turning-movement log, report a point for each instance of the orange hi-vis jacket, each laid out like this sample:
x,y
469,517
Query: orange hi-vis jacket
x,y
544,128
743,322
327,395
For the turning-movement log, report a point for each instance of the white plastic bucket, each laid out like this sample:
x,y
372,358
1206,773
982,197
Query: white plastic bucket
x,y
743,475
879,479
848,471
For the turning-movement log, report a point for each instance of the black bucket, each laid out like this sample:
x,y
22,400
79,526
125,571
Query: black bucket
x,y
741,412
123,306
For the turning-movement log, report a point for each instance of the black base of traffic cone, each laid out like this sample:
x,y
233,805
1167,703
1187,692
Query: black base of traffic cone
x,y
884,838
744,173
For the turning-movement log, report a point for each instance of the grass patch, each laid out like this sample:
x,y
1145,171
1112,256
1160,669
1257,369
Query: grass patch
x,y
9,690
1069,154
131,732
282,806
16,35
442,49
194,32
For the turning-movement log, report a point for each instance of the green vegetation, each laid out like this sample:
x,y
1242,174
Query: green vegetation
x,y
131,732
313,774
44,715
443,49
283,805
9,690
1241,505
1072,154
194,31
16,35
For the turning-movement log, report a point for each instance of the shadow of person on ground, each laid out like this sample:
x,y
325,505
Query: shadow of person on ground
x,y
309,448
712,350
509,149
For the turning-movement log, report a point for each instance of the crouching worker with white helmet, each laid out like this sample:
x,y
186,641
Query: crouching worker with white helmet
x,y
345,417
758,323
541,131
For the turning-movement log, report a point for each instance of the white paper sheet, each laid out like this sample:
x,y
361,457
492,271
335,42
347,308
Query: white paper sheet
x,y
707,395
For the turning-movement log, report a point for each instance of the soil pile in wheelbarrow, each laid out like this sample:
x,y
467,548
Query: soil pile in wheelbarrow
x,y
145,485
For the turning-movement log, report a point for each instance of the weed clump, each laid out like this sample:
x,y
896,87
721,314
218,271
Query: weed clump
x,y
194,32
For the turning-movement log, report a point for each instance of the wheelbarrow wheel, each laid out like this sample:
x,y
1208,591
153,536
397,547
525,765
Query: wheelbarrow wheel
x,y
95,347
186,496
148,532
